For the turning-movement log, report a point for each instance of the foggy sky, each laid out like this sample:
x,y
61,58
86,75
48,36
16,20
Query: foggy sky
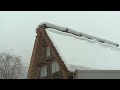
x,y
17,28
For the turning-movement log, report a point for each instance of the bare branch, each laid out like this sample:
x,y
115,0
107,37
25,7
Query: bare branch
x,y
11,66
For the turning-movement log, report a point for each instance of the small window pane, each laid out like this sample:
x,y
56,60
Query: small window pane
x,y
55,67
48,51
44,71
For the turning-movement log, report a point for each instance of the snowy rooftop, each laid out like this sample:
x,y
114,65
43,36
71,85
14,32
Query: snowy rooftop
x,y
83,54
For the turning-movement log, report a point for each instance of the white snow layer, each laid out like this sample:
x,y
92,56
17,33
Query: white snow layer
x,y
68,30
77,53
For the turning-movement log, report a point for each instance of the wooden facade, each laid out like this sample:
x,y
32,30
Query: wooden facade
x,y
45,61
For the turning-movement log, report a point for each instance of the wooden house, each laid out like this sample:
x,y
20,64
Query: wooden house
x,y
47,63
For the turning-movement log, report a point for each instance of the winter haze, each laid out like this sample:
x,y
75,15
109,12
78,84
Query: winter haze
x,y
18,31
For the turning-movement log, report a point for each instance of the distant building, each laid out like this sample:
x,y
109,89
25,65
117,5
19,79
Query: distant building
x,y
97,74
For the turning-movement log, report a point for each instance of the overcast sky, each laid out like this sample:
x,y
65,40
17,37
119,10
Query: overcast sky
x,y
17,28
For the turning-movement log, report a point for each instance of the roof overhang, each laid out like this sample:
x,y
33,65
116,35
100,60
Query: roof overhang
x,y
80,34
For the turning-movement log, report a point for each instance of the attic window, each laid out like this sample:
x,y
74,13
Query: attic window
x,y
55,67
48,51
44,71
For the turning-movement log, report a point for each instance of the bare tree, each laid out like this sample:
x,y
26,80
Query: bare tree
x,y
11,67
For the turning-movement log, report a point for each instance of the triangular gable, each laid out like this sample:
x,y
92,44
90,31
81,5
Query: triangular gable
x,y
56,55
43,40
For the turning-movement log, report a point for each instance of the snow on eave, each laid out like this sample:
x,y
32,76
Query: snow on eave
x,y
80,34
73,68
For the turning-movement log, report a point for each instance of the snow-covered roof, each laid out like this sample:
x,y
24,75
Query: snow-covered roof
x,y
80,34
79,53
72,68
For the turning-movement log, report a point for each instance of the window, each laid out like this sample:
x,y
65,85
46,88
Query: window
x,y
43,51
55,67
44,71
48,51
